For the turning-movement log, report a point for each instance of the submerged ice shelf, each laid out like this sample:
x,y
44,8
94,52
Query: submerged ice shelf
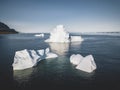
x,y
86,64
28,58
59,34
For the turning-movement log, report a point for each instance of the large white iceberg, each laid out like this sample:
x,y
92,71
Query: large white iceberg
x,y
59,35
86,64
76,38
28,58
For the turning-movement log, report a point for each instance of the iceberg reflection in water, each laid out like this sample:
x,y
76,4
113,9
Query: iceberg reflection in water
x,y
23,75
63,48
85,75
59,48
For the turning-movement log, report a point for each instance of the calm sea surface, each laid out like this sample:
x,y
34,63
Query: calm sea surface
x,y
59,73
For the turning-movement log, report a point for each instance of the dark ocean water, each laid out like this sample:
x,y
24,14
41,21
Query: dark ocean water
x,y
59,73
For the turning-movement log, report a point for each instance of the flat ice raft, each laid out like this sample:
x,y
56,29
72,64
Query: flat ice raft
x,y
76,39
86,64
28,58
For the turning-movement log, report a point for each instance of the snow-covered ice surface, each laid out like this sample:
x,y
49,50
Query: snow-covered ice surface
x,y
86,64
28,58
59,34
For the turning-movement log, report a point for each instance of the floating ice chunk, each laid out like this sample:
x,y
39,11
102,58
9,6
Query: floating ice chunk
x,y
51,55
22,60
28,58
59,35
76,59
87,64
76,38
39,35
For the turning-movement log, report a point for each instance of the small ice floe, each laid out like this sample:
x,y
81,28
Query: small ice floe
x,y
39,35
28,58
86,64
76,59
50,54
76,39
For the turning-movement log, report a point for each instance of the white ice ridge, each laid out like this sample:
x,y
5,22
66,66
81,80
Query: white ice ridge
x,y
39,35
28,58
86,64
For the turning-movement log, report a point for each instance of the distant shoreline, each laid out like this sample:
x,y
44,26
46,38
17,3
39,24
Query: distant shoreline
x,y
4,29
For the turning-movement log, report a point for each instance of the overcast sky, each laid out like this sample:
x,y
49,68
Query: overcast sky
x,y
75,15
